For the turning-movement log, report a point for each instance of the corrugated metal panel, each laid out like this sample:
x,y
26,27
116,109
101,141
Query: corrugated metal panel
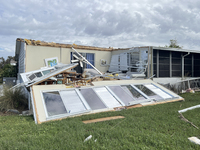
x,y
107,98
158,91
72,101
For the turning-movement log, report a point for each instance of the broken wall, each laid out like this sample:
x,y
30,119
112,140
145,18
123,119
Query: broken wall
x,y
36,54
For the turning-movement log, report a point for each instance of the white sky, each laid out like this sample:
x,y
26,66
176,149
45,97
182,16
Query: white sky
x,y
103,23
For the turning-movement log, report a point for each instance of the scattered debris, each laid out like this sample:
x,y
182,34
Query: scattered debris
x,y
190,90
12,111
27,112
88,138
119,108
184,119
190,108
194,140
103,119
183,86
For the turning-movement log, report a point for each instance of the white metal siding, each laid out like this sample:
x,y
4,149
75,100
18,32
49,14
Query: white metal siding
x,y
21,63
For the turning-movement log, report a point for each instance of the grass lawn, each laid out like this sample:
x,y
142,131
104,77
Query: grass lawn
x,y
152,127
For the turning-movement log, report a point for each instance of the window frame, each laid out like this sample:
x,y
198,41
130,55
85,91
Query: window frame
x,y
85,55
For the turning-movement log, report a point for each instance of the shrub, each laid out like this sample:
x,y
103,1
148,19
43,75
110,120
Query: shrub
x,y
12,99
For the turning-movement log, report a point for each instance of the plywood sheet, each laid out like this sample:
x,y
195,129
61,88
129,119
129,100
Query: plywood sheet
x,y
103,119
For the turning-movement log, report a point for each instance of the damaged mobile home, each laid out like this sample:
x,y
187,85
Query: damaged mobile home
x,y
51,72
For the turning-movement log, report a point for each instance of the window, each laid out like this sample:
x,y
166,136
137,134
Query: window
x,y
38,74
88,56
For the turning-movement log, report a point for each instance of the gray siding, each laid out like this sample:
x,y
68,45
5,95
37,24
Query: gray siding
x,y
21,61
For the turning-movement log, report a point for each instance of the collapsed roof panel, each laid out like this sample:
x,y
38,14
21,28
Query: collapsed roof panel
x,y
28,77
36,77
56,101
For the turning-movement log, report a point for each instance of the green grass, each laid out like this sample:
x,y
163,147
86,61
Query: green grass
x,y
152,127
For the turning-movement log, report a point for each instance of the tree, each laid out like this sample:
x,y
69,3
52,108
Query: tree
x,y
173,44
7,70
2,62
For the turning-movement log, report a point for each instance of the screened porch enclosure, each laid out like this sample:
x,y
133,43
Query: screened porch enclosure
x,y
175,64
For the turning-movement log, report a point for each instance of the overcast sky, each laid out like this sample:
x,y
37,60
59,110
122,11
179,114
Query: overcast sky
x,y
103,23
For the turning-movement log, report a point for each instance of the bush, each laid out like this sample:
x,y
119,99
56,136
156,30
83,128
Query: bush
x,y
12,99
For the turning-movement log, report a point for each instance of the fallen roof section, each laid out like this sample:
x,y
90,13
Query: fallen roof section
x,y
58,70
53,102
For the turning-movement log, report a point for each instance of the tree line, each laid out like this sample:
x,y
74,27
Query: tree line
x,y
6,69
